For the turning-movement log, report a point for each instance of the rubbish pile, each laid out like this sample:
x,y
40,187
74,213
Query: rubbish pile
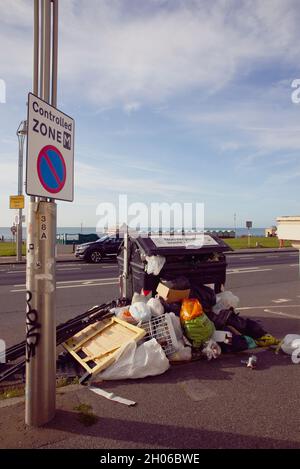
x,y
179,322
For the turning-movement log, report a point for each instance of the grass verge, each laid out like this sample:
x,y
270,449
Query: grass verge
x,y
255,242
9,249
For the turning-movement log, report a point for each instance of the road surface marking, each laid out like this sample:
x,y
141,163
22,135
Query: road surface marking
x,y
69,268
246,257
281,300
279,313
294,265
239,271
268,310
74,286
76,281
15,271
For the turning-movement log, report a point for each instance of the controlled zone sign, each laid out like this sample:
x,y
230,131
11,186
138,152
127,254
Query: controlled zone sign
x,y
50,151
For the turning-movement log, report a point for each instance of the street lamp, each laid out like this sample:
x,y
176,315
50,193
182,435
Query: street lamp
x,y
21,134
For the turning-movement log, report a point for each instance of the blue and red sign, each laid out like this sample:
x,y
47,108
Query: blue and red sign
x,y
51,169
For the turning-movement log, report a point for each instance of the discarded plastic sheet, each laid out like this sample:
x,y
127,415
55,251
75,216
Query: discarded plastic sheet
x,y
111,396
290,343
225,300
154,264
156,307
136,361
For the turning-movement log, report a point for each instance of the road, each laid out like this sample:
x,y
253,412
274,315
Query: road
x,y
217,404
262,281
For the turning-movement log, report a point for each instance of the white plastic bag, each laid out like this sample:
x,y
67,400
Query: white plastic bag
x,y
211,349
290,343
156,307
137,361
225,300
140,298
176,325
140,311
154,264
183,353
222,336
124,314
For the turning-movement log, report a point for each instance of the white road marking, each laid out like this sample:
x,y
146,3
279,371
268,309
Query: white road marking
x,y
246,268
272,256
268,306
246,257
279,313
69,268
74,286
239,271
16,271
294,265
281,300
268,310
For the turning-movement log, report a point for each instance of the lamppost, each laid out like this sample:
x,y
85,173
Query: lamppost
x,y
21,134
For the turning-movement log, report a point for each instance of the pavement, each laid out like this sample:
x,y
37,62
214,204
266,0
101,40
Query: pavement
x,y
71,257
7,260
218,404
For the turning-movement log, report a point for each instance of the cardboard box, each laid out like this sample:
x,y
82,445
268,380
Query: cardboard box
x,y
170,295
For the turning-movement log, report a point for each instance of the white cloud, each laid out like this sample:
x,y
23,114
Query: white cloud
x,y
116,54
131,107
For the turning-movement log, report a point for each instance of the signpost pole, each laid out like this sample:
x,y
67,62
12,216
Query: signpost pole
x,y
21,133
248,226
41,238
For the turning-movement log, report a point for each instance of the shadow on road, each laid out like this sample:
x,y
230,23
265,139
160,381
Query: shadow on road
x,y
160,435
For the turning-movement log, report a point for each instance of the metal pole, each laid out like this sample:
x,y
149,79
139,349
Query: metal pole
x,y
36,47
126,260
46,48
54,53
41,275
21,138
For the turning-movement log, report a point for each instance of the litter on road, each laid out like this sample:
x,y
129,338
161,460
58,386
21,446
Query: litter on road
x,y
176,309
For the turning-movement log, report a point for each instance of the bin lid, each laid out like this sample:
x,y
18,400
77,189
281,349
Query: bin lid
x,y
181,245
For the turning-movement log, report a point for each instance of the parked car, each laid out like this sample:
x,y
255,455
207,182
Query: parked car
x,y
105,247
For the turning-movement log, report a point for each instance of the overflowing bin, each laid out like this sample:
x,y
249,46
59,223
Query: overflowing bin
x,y
200,259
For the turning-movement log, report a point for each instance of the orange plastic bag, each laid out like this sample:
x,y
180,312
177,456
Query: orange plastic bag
x,y
190,309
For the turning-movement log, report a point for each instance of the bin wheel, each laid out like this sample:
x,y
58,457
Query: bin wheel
x,y
95,257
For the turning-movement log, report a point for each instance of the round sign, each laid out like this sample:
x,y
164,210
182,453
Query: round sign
x,y
51,169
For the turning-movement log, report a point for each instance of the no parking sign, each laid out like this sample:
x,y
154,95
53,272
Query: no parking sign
x,y
50,151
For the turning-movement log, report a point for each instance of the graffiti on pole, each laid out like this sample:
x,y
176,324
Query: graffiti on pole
x,y
32,328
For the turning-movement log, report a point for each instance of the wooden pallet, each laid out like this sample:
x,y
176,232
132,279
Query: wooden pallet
x,y
96,346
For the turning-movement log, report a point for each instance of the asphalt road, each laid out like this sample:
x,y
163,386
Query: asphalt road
x,y
218,404
258,279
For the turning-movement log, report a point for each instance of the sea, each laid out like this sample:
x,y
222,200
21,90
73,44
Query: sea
x,y
72,230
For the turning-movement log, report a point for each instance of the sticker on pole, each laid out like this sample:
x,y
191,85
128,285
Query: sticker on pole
x,y
50,151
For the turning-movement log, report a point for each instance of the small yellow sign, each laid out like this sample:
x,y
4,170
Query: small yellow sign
x,y
16,201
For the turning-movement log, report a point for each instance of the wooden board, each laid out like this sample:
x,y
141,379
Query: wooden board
x,y
96,346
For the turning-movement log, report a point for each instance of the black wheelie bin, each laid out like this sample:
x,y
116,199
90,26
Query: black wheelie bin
x,y
200,263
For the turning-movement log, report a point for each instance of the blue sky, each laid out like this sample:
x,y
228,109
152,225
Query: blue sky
x,y
174,101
